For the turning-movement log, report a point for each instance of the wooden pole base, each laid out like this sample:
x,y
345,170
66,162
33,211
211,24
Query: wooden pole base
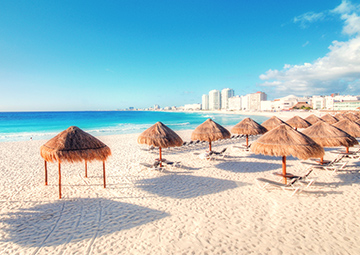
x,y
284,168
104,174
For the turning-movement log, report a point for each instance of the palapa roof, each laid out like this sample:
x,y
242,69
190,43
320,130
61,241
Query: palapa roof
x,y
349,127
351,116
210,131
74,145
159,135
327,135
312,119
271,123
285,141
298,122
248,127
340,116
329,119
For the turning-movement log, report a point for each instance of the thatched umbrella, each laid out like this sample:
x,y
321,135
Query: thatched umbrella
x,y
271,123
298,122
74,145
329,119
248,127
351,116
284,141
340,116
159,135
349,127
312,119
210,131
327,135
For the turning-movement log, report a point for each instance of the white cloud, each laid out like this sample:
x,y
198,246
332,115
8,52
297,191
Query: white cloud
x,y
349,13
337,71
305,44
308,17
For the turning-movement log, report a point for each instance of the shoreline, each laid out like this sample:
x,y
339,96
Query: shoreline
x,y
138,127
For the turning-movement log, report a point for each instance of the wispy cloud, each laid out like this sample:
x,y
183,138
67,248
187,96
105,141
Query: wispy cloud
x,y
305,19
305,44
337,71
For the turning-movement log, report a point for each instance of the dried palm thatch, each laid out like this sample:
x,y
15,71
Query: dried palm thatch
x,y
210,131
351,116
327,135
74,145
284,141
349,127
298,122
271,123
248,127
312,119
340,116
329,119
159,135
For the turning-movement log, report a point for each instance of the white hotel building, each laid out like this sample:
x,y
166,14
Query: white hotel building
x,y
225,95
214,100
205,102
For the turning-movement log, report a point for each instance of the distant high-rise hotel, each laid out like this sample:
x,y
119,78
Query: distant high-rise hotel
x,y
214,100
225,95
205,102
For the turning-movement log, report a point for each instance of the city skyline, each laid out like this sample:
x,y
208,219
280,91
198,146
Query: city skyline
x,y
86,55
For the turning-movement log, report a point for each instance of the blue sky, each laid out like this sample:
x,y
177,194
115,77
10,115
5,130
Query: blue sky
x,y
104,55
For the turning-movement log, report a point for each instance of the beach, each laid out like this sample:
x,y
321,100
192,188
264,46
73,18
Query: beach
x,y
202,207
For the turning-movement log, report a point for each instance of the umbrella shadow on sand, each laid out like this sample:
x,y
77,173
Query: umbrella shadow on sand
x,y
186,186
247,166
69,221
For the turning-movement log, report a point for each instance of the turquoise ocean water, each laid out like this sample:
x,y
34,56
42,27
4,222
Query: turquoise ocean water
x,y
21,126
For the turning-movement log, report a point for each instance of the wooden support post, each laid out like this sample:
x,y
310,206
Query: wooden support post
x,y
104,173
160,157
247,140
347,149
59,180
46,178
85,169
209,146
321,161
284,168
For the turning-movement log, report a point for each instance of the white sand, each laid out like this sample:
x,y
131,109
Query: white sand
x,y
206,207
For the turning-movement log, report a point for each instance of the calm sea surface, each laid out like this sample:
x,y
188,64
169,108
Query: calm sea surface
x,y
21,126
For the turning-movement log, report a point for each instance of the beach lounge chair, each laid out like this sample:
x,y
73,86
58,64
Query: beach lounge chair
x,y
335,167
304,179
172,164
285,187
355,154
220,154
